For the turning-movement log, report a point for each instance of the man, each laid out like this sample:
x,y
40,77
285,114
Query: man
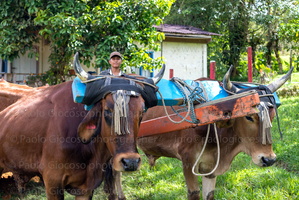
x,y
115,61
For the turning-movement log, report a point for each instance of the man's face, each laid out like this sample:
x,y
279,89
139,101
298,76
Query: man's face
x,y
115,61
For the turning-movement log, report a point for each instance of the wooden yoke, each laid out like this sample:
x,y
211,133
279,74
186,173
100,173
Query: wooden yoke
x,y
234,106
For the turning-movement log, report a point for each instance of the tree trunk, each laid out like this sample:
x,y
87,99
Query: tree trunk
x,y
255,72
277,55
268,53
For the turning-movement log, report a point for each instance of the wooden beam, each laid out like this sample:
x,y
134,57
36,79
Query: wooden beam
x,y
231,107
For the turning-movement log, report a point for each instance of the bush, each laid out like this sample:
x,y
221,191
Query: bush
x,y
291,91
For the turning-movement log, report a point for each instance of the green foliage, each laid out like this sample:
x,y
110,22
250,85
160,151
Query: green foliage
x,y
51,77
93,28
17,30
289,29
267,26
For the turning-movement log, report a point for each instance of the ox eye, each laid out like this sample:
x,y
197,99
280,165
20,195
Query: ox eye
x,y
249,118
108,117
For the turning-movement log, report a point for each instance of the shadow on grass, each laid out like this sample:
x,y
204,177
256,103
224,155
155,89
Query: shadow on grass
x,y
9,191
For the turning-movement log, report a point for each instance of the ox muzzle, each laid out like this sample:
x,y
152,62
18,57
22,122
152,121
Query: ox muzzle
x,y
126,162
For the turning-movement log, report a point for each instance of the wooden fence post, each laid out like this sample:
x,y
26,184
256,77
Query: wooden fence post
x,y
249,52
212,69
170,73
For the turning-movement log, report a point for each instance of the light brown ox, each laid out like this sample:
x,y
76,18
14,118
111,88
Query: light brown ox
x,y
10,93
235,136
39,136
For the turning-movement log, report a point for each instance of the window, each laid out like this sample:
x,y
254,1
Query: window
x,y
147,73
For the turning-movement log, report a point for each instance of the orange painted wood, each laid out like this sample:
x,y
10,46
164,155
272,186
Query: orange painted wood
x,y
206,114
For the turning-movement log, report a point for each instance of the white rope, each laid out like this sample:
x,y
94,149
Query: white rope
x,y
203,149
168,115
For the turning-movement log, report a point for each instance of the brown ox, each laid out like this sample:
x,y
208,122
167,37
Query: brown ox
x,y
39,136
236,135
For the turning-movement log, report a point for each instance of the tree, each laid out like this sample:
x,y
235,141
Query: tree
x,y
288,32
92,27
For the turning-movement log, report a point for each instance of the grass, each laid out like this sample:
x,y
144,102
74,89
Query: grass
x,y
243,181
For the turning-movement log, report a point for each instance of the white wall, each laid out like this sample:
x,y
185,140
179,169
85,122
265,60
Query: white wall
x,y
23,64
188,60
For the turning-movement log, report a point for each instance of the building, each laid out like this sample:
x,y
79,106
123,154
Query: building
x,y
185,51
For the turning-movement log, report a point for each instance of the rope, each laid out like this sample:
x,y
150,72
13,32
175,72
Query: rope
x,y
190,95
167,114
201,105
203,149
187,99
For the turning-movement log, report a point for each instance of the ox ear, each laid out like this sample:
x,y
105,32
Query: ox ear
x,y
225,123
90,126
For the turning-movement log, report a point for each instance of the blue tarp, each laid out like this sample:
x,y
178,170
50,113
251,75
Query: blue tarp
x,y
211,90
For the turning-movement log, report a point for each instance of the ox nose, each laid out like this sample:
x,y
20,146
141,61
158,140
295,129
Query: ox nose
x,y
130,164
268,161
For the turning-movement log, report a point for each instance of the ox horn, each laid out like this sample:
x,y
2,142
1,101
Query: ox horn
x,y
159,76
78,69
227,84
278,83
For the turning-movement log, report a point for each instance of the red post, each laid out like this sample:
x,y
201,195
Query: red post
x,y
170,73
249,51
212,69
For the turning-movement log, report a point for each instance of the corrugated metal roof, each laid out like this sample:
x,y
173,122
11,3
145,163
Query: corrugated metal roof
x,y
181,29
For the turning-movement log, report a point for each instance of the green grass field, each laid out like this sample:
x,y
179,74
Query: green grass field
x,y
243,181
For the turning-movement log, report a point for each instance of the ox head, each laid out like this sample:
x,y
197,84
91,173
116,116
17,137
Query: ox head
x,y
118,107
254,131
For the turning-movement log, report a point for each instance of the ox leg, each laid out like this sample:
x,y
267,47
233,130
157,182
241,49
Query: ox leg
x,y
191,182
89,197
115,190
113,184
152,159
53,188
118,186
83,198
208,187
